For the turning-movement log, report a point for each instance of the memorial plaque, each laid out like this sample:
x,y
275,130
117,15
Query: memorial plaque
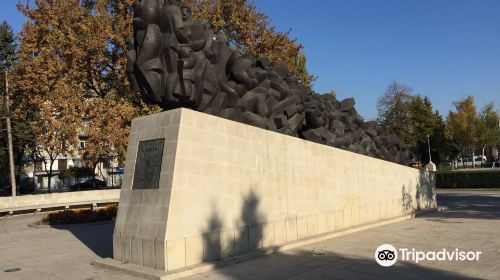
x,y
148,164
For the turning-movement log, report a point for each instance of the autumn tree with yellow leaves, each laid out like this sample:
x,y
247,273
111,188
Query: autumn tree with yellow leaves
x,y
70,81
71,78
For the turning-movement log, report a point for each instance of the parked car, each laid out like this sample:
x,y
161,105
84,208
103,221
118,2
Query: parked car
x,y
89,185
5,191
26,186
480,158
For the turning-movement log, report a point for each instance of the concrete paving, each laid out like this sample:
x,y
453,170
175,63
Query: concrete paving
x,y
472,222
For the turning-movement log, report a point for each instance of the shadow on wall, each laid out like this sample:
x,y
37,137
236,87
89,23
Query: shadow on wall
x,y
220,244
211,237
424,194
251,217
407,200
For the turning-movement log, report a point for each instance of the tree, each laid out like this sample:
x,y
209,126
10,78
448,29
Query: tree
x,y
75,51
423,119
462,126
72,80
301,71
394,112
489,129
411,117
426,124
441,148
249,29
8,47
76,172
106,115
49,81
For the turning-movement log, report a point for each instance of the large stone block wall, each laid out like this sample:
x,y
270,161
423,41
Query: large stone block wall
x,y
228,188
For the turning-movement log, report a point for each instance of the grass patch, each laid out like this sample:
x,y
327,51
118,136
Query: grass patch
x,y
80,216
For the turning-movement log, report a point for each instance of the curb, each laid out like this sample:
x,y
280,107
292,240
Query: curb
x,y
451,190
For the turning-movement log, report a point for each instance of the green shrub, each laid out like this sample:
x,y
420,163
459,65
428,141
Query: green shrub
x,y
80,216
468,179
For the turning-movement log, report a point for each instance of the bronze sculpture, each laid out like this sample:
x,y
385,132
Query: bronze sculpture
x,y
177,61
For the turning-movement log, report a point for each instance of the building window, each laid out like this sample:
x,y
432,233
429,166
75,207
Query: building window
x,y
40,182
77,162
38,166
106,163
83,144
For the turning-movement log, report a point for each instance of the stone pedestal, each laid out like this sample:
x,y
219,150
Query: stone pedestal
x,y
430,167
198,188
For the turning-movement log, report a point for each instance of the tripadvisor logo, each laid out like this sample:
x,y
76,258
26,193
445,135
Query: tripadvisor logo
x,y
387,255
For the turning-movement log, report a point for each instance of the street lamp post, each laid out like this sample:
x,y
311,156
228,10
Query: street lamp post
x,y
430,166
429,146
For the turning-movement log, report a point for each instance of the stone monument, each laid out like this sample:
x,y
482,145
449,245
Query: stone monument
x,y
218,174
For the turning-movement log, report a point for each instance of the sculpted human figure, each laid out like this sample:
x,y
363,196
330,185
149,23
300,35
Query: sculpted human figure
x,y
192,62
221,55
194,32
170,21
131,58
148,43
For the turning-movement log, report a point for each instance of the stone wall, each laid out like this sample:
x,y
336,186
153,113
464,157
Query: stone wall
x,y
53,200
228,188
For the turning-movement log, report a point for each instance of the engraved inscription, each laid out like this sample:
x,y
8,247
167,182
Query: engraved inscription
x,y
148,164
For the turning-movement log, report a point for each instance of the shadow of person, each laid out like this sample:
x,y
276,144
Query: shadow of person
x,y
211,237
252,219
247,237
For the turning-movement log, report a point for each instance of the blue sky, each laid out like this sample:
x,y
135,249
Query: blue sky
x,y
444,49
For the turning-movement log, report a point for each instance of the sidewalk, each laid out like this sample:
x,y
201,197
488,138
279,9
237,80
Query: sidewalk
x,y
472,222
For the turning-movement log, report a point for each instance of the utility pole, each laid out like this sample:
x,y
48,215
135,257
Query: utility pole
x,y
9,136
430,166
429,147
